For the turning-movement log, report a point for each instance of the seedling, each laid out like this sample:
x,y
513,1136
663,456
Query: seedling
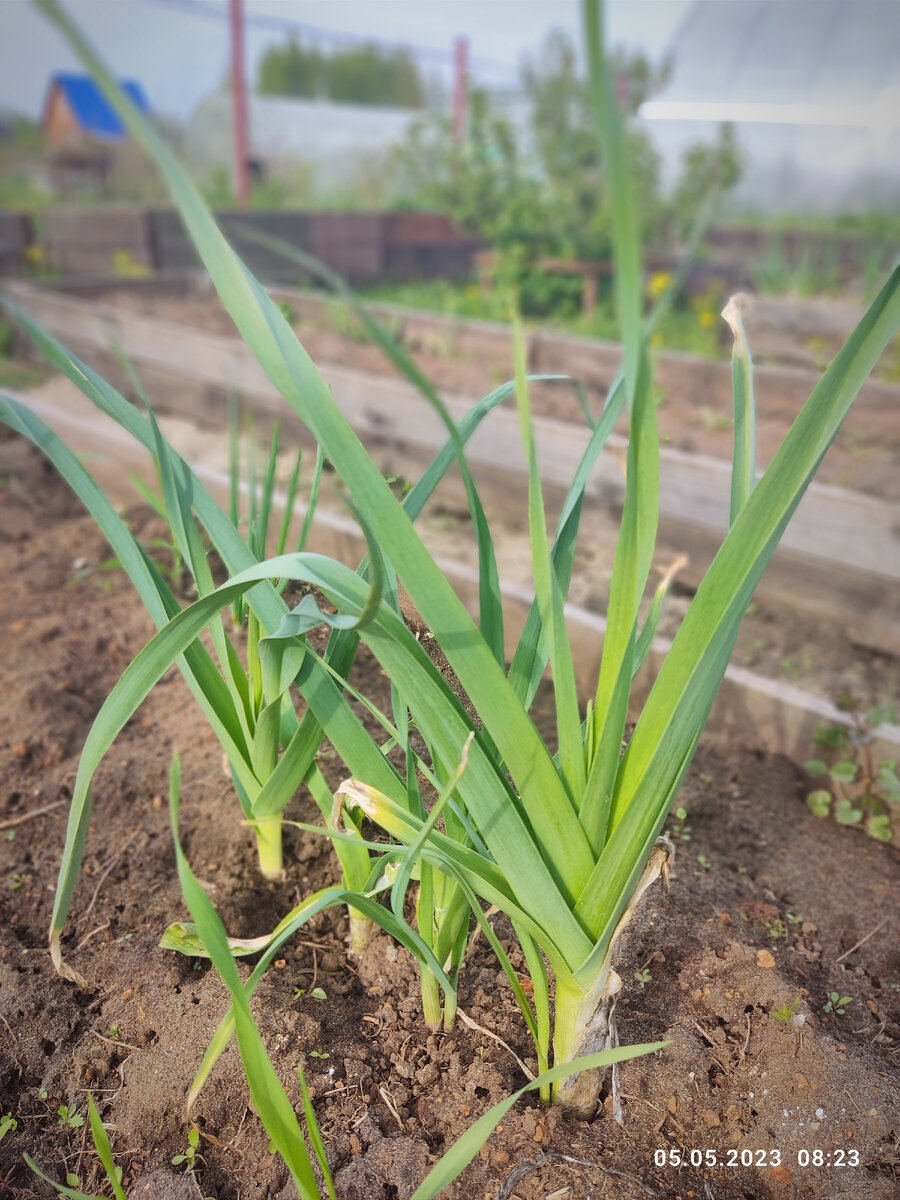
x,y
69,1118
786,1012
104,1153
837,1004
643,977
862,791
189,1155
794,669
680,831
8,1124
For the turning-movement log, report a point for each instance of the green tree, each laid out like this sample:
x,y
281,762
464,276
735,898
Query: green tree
x,y
538,192
370,75
565,142
292,70
363,74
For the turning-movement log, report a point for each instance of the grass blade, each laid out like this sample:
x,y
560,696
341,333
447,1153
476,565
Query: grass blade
x,y
491,609
104,1150
549,597
60,1188
275,1110
530,658
637,536
200,673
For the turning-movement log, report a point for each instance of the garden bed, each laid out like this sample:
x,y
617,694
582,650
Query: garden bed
x,y
789,677
839,563
465,358
839,560
769,904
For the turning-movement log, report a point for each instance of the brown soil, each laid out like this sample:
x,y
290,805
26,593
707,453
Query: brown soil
x,y
768,905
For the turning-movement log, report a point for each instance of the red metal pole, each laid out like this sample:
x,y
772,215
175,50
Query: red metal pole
x,y
460,86
239,100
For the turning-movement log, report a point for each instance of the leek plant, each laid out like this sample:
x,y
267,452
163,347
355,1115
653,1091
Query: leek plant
x,y
253,727
565,842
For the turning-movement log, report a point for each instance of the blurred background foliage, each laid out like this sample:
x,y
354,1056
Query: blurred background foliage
x,y
366,74
535,188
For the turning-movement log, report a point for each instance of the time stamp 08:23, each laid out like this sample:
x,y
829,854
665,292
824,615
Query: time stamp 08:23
x,y
675,1157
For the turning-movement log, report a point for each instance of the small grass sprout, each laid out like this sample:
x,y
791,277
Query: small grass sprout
x,y
785,1012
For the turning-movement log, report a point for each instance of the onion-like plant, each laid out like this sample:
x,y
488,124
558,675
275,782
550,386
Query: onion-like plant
x,y
563,843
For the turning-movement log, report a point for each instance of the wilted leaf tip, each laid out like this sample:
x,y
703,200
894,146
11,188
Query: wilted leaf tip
x,y
733,314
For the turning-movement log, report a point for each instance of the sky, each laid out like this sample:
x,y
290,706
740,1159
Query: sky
x,y
178,49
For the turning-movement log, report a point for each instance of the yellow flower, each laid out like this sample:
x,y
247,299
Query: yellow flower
x,y
658,283
35,254
656,339
707,318
126,266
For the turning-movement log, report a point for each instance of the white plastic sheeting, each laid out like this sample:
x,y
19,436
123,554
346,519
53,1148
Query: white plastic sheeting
x,y
812,87
337,141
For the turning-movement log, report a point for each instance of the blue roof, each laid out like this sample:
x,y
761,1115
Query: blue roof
x,y
92,110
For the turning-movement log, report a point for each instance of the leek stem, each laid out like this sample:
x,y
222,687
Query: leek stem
x,y
268,847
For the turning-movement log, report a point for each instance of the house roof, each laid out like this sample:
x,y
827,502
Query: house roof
x,y
90,107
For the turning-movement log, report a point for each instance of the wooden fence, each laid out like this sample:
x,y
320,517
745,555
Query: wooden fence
x,y
360,246
16,235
